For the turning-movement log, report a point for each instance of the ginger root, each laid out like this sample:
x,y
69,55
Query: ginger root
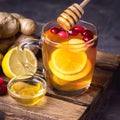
x,y
27,26
9,25
12,23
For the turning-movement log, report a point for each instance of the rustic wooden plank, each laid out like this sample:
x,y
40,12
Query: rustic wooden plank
x,y
101,77
107,60
83,100
52,109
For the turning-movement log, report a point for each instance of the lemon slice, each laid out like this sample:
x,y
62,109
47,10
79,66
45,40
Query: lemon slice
x,y
77,44
71,77
77,41
12,66
74,45
68,62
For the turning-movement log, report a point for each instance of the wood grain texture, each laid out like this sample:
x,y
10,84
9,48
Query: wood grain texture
x,y
53,109
107,60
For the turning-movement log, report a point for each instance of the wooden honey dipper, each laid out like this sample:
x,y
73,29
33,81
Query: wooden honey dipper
x,y
71,15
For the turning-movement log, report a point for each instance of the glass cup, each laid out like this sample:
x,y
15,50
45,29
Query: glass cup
x,y
68,56
69,62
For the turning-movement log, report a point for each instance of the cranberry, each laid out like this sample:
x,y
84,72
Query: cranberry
x,y
73,32
1,81
87,38
78,28
54,30
87,33
63,34
3,89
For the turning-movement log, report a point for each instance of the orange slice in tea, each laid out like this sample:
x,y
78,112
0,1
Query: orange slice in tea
x,y
72,85
71,77
68,62
58,81
78,84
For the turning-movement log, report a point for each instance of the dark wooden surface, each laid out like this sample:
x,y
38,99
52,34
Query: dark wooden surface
x,y
105,15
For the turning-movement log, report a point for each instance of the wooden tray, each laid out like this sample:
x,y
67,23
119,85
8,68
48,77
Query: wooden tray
x,y
59,107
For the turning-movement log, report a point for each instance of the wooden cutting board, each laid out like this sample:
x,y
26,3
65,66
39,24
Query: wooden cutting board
x,y
61,107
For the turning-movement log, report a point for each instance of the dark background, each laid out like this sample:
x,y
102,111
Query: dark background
x,y
105,14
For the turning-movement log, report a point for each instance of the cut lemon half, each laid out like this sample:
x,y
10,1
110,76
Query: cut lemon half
x,y
71,77
12,66
68,62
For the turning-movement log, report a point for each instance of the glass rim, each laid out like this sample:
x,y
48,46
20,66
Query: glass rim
x,y
57,43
